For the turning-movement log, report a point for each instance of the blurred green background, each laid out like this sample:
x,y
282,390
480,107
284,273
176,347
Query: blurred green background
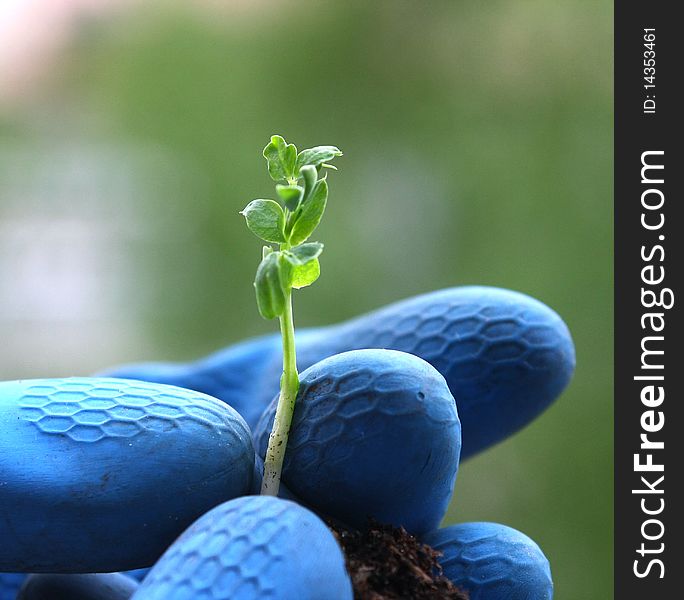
x,y
477,140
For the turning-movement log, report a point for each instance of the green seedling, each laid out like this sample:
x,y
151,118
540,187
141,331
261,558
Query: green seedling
x,y
291,264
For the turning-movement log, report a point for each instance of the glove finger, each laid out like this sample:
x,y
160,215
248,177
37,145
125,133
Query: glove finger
x,y
375,433
102,586
232,374
505,356
101,475
492,562
251,548
10,584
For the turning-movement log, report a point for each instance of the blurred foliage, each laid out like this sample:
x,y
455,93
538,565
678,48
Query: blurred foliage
x,y
483,129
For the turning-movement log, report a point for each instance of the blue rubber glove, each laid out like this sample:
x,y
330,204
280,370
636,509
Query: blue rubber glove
x,y
493,562
251,548
91,586
504,355
104,586
505,358
257,547
375,434
10,584
101,475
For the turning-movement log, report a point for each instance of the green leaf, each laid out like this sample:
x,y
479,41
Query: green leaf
x,y
265,251
316,156
290,195
270,291
281,158
305,268
310,175
266,219
306,274
310,214
304,253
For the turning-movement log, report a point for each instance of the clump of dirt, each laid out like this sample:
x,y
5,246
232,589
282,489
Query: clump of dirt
x,y
387,563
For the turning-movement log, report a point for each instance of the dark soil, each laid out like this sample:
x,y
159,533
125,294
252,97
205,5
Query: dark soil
x,y
387,563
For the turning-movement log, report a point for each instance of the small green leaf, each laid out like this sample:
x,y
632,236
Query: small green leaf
x,y
316,156
290,195
310,213
266,219
270,291
306,274
310,175
265,251
304,253
281,158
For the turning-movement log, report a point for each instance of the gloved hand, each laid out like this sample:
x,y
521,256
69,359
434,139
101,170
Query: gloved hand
x,y
505,358
504,355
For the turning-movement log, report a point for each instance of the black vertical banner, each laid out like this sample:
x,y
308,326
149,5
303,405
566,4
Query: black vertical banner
x,y
649,363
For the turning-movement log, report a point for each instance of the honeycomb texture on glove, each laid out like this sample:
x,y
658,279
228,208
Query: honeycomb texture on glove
x,y
505,356
493,562
103,474
233,374
90,409
255,547
375,433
